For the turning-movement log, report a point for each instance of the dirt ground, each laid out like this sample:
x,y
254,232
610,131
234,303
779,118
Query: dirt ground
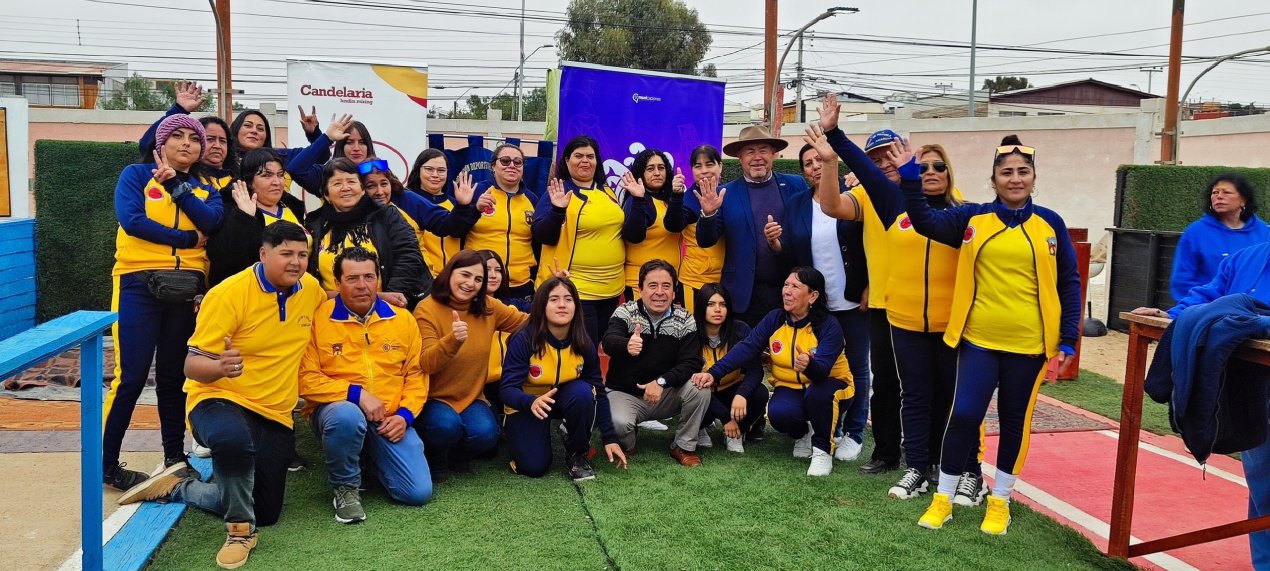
x,y
1106,355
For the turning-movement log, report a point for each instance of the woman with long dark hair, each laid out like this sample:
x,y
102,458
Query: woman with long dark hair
x,y
352,141
458,322
496,286
428,180
583,231
810,372
651,177
699,266
255,200
553,371
739,398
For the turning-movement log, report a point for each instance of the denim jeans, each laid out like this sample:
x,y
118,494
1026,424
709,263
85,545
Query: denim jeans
x,y
1257,472
348,438
249,458
472,431
855,332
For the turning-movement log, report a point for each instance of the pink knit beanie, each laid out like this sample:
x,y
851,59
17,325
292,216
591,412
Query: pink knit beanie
x,y
180,121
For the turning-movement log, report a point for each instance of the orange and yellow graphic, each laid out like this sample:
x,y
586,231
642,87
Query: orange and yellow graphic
x,y
412,82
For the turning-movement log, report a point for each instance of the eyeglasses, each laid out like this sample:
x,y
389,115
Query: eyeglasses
x,y
939,166
434,170
372,165
509,161
1020,149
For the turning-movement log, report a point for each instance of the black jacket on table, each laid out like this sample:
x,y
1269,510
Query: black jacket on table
x,y
671,349
401,266
237,245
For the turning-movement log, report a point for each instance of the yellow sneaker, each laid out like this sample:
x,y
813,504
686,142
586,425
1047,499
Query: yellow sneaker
x,y
997,519
939,512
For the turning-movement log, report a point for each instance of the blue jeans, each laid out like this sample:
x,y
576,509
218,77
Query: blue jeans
x,y
250,455
1257,472
855,332
347,437
473,431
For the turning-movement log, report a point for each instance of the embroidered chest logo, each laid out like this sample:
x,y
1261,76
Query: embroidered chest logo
x,y
529,217
305,322
969,235
390,347
776,347
154,193
487,210
535,371
337,349
1053,244
906,223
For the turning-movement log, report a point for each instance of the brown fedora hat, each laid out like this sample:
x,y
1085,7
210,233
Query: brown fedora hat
x,y
751,135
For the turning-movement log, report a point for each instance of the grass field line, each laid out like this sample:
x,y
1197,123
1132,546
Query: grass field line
x,y
1187,460
599,538
1086,520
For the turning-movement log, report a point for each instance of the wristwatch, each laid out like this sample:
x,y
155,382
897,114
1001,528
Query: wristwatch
x,y
661,382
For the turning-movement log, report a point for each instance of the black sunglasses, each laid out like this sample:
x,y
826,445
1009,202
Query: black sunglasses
x,y
939,166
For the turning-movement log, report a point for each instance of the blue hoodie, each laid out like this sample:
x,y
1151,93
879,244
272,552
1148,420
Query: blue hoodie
x,y
1203,246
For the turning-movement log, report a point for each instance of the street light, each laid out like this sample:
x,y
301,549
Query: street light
x,y
773,107
1181,103
520,78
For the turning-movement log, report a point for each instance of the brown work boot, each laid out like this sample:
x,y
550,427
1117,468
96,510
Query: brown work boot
x,y
684,457
237,546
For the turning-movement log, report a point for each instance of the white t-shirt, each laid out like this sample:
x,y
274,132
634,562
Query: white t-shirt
x,y
826,256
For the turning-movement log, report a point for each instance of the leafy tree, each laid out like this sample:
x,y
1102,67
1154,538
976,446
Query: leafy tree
x,y
709,71
136,94
663,35
1006,83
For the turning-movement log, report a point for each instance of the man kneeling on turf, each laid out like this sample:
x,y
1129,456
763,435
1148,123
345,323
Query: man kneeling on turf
x,y
243,359
362,384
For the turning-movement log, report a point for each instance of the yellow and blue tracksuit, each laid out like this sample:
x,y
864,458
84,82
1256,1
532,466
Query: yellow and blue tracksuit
x,y
156,232
1016,304
580,400
659,243
699,266
746,382
505,229
437,247
920,274
812,395
439,226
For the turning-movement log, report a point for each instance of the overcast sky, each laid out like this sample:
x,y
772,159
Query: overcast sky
x,y
473,47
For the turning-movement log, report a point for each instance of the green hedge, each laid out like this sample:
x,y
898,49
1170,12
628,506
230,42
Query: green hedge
x,y
75,223
1163,197
732,168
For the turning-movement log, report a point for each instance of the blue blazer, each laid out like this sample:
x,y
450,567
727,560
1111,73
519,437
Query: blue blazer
x,y
735,223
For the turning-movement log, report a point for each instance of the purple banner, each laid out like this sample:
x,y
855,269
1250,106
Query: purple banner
x,y
627,111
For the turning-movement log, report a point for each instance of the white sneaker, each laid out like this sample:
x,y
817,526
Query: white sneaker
x,y
735,445
703,439
847,450
802,446
653,425
201,451
821,463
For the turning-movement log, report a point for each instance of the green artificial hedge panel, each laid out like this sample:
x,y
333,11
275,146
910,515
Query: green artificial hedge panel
x,y
75,223
1165,197
732,168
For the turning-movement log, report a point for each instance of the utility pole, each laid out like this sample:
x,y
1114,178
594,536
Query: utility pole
x,y
1150,71
769,55
1171,127
974,26
520,70
224,64
798,84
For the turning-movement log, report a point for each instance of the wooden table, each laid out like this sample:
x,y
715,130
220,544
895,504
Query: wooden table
x,y
1142,331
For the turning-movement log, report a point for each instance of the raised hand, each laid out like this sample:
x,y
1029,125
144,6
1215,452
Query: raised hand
x,y
829,110
816,138
801,360
189,95
371,406
702,380
243,198
557,194
309,121
678,184
541,407
631,186
615,454
459,328
556,270
161,171
636,344
709,195
338,129
464,189
899,152
231,361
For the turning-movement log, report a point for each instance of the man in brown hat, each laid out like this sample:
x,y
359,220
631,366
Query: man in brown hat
x,y
751,214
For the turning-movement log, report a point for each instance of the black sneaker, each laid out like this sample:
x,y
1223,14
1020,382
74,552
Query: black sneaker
x,y
878,466
297,463
579,469
187,472
123,479
756,432
970,490
911,484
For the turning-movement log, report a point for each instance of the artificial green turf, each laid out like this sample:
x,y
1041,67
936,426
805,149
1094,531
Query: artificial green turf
x,y
753,511
1102,395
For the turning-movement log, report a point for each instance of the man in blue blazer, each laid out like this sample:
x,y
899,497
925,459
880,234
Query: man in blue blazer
x,y
750,214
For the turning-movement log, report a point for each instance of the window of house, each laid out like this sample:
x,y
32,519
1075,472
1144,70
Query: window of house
x,y
43,90
1049,113
1011,113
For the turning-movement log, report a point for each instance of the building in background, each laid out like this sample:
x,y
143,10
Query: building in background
x,y
60,84
1085,97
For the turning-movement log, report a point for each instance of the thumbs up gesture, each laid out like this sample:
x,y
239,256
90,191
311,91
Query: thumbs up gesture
x,y
636,344
801,360
677,184
772,231
459,328
231,361
541,406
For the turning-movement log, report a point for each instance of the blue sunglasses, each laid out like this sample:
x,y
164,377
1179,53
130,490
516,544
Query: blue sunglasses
x,y
370,166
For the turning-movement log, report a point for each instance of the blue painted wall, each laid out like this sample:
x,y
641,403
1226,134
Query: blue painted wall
x,y
17,276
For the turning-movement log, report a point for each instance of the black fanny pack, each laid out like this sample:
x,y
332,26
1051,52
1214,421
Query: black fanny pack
x,y
175,286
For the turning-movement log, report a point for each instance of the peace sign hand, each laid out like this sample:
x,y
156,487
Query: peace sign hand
x,y
309,121
709,195
189,95
557,194
631,186
556,270
338,129
162,172
463,188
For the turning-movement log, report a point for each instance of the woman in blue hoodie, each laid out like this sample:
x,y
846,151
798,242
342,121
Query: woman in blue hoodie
x,y
1229,224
